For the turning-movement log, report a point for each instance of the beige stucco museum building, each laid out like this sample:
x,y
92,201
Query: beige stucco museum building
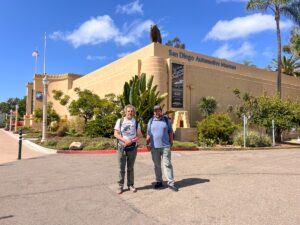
x,y
186,76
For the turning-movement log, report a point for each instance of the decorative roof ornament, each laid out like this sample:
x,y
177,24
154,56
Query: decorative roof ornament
x,y
155,34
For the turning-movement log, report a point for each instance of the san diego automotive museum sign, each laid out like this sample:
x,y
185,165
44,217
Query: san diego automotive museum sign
x,y
191,58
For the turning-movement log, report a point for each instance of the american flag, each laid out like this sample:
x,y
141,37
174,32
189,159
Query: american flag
x,y
35,53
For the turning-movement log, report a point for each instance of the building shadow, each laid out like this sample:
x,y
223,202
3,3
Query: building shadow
x,y
180,184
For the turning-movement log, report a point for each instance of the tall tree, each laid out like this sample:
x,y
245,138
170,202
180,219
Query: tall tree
x,y
11,103
176,43
86,106
140,93
294,46
288,8
290,66
249,63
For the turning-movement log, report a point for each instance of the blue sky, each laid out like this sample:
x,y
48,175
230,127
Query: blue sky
x,y
85,35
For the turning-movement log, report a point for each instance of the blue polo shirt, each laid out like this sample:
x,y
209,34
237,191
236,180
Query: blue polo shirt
x,y
159,130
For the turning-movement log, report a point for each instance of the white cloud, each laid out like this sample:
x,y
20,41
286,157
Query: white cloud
x,y
242,27
120,55
94,31
227,52
94,57
102,29
130,8
134,32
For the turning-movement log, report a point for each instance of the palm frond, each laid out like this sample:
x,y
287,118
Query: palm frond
x,y
292,11
261,5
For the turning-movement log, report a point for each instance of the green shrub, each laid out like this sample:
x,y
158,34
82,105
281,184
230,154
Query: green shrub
x,y
101,126
35,134
215,129
62,130
179,144
25,129
208,105
50,143
77,124
54,125
253,139
72,132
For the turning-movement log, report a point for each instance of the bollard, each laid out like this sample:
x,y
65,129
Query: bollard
x,y
273,132
20,145
245,129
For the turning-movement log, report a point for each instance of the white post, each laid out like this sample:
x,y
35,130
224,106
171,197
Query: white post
x,y
10,120
16,118
44,129
245,133
5,121
273,132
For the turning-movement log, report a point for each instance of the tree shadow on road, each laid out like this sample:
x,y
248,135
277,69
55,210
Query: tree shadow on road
x,y
180,184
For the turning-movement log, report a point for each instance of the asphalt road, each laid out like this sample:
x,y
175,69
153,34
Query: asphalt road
x,y
224,188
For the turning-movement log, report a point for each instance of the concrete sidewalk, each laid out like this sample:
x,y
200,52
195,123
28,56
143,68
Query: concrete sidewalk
x,y
9,146
216,188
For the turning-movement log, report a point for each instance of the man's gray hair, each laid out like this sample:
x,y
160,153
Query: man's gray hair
x,y
129,106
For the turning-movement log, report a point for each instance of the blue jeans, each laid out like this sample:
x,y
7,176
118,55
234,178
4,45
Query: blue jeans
x,y
165,154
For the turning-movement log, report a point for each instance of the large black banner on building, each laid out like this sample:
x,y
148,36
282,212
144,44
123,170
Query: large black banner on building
x,y
177,85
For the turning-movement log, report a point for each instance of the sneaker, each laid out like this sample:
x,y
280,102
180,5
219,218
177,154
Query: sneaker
x,y
158,185
120,190
132,188
173,187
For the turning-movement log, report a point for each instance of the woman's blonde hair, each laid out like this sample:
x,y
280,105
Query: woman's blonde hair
x,y
126,107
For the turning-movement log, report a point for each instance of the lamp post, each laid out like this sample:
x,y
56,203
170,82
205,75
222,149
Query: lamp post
x,y
190,88
44,131
16,118
10,119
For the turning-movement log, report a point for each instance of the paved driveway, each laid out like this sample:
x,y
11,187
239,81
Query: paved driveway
x,y
9,146
224,188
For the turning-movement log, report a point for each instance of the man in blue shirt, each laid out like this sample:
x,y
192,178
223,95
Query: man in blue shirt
x,y
160,140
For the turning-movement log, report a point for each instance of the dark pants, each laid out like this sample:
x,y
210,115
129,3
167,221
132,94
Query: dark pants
x,y
123,159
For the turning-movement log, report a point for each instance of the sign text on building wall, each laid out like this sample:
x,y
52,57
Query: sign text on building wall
x,y
191,58
177,85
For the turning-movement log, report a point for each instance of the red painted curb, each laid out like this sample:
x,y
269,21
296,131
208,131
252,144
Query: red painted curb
x,y
104,152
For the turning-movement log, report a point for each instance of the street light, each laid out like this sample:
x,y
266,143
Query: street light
x,y
44,131
16,118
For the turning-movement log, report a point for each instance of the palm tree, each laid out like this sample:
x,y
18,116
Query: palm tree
x,y
248,63
176,42
290,66
288,8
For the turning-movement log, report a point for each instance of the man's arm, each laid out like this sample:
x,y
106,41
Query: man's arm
x,y
148,141
118,135
138,136
171,133
171,138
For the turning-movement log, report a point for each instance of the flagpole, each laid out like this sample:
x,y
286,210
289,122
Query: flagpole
x,y
45,84
36,63
45,53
